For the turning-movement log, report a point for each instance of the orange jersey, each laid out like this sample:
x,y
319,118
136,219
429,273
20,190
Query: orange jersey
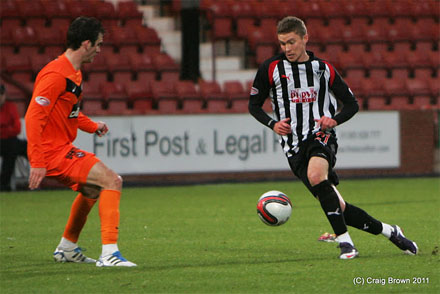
x,y
53,116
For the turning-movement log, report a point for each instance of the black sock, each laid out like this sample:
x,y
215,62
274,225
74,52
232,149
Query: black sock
x,y
330,204
358,218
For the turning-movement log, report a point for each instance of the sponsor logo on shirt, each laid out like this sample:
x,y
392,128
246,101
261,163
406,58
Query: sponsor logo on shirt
x,y
286,77
254,91
43,101
74,113
301,96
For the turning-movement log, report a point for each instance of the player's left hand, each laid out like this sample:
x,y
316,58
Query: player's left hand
x,y
326,123
102,129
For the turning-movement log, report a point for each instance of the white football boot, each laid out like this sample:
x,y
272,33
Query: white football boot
x,y
74,255
114,259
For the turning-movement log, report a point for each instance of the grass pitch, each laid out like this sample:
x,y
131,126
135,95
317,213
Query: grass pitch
x,y
209,239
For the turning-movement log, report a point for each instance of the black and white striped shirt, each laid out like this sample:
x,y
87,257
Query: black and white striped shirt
x,y
303,92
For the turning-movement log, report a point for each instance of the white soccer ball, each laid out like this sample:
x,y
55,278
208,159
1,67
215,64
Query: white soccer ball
x,y
274,208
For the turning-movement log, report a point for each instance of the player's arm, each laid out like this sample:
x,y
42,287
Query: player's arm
x,y
343,93
259,93
87,125
46,92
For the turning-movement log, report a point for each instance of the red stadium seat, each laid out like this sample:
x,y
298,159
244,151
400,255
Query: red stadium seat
x,y
375,34
216,100
222,28
113,91
189,97
418,87
143,66
434,87
55,9
19,67
167,68
244,27
395,87
39,61
261,36
353,34
263,52
355,84
400,9
237,95
400,103
25,36
128,12
422,102
92,91
103,10
93,102
425,9
140,96
50,36
9,10
400,32
118,64
148,39
30,9
373,87
124,36
118,107
97,70
347,61
330,11
355,10
375,63
79,8
377,103
165,96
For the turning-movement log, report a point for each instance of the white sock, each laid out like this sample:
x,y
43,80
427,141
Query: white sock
x,y
387,230
108,249
344,238
67,244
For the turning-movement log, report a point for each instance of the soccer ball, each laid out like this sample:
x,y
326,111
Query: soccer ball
x,y
274,208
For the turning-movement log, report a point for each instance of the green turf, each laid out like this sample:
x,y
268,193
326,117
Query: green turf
x,y
209,239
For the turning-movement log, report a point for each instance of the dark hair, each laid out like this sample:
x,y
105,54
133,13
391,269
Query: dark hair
x,y
2,89
292,24
83,29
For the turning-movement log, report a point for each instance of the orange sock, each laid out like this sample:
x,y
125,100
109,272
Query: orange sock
x,y
78,216
109,215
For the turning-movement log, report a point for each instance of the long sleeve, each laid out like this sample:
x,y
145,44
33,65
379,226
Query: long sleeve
x,y
344,94
43,101
259,93
86,124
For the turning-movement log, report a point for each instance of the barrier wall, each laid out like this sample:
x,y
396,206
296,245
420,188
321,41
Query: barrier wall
x,y
235,147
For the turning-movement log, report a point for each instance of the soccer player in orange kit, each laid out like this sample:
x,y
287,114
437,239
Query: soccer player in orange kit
x,y
52,121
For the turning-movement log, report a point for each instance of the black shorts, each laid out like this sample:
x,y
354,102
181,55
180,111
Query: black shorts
x,y
321,145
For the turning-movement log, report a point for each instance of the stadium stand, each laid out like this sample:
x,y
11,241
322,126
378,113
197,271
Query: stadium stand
x,y
372,46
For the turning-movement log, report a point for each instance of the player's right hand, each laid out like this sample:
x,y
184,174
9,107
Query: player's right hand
x,y
36,176
282,127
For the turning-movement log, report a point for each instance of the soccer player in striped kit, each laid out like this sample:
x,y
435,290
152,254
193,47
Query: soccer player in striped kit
x,y
305,91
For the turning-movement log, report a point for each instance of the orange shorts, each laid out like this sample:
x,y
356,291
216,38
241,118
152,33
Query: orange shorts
x,y
71,166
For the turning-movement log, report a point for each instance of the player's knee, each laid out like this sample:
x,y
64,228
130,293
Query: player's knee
x,y
315,177
113,181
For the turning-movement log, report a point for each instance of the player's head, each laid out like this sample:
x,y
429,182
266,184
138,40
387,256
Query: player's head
x,y
87,33
293,37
